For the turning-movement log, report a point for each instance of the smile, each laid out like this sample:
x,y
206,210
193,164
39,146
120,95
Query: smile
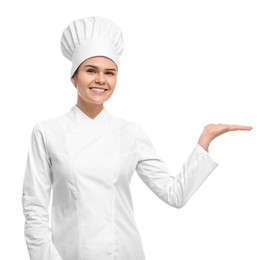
x,y
98,90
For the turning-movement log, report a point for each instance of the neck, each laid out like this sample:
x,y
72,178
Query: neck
x,y
91,110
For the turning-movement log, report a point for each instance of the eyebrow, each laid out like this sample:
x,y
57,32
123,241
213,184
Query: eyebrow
x,y
95,67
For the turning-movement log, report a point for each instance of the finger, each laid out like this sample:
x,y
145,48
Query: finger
x,y
240,127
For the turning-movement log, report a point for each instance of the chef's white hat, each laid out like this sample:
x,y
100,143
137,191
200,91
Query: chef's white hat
x,y
91,36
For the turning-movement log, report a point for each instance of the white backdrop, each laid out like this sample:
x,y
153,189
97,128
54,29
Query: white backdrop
x,y
185,64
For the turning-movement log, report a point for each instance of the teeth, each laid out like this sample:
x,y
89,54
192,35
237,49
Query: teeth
x,y
98,89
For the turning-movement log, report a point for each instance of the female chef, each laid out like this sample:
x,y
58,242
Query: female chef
x,y
87,157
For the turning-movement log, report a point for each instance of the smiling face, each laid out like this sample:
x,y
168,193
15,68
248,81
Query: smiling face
x,y
95,80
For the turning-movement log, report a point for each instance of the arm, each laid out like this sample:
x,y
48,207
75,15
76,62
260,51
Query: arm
x,y
36,198
174,190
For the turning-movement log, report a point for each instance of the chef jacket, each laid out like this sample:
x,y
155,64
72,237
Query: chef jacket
x,y
86,165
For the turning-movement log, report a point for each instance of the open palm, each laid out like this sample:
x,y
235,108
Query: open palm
x,y
212,131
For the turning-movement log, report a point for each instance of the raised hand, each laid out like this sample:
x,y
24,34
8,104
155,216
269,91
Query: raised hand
x,y
212,131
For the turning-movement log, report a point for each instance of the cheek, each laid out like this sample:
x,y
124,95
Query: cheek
x,y
82,87
112,82
83,79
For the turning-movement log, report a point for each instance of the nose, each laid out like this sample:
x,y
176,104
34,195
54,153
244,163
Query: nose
x,y
100,79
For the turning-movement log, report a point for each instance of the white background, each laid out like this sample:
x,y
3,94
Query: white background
x,y
185,64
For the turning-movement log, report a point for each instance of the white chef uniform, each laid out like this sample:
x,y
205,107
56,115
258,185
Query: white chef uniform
x,y
89,163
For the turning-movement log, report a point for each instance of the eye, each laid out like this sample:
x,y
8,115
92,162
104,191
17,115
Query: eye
x,y
91,71
110,73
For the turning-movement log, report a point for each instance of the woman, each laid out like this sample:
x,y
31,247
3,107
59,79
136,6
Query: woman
x,y
88,156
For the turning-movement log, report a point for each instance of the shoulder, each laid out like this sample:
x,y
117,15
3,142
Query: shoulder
x,y
127,127
123,123
52,123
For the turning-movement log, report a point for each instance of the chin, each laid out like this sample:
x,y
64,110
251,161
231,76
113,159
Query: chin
x,y
96,102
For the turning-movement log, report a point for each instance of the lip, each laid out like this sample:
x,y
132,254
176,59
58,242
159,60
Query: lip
x,y
96,92
98,88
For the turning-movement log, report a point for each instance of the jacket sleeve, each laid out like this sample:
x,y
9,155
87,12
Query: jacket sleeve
x,y
35,199
174,190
